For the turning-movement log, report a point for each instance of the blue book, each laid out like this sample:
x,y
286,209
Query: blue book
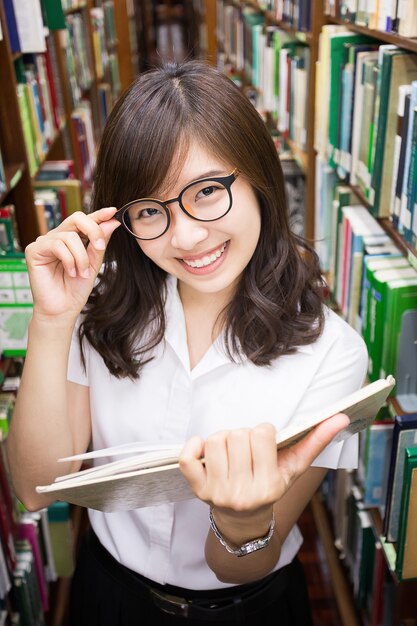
x,y
404,436
377,449
12,26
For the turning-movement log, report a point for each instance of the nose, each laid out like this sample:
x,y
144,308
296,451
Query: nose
x,y
186,232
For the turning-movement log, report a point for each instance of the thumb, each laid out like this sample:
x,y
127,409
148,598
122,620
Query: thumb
x,y
304,452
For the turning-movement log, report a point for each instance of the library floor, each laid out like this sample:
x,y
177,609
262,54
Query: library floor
x,y
322,600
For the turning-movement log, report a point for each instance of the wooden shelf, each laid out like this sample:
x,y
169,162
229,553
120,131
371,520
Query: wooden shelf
x,y
397,40
302,36
342,590
299,155
13,174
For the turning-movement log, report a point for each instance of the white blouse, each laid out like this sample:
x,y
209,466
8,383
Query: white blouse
x,y
170,402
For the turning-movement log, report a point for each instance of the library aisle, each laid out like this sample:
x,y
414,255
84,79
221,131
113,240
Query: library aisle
x,y
335,81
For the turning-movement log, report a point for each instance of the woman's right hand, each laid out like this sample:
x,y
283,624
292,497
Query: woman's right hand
x,y
64,263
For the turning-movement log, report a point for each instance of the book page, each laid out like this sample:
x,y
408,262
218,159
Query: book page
x,y
135,486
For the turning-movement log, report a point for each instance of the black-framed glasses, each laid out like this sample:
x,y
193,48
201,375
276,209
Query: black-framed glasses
x,y
205,200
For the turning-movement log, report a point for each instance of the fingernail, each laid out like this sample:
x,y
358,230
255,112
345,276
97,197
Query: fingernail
x,y
72,272
100,244
86,273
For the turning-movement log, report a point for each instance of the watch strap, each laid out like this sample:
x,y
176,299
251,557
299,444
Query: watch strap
x,y
249,546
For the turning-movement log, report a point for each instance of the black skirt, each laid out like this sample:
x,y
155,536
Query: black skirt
x,y
105,593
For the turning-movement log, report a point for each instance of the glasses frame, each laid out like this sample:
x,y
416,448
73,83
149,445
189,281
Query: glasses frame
x,y
226,181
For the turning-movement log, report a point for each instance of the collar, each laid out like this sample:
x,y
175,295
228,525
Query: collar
x,y
176,337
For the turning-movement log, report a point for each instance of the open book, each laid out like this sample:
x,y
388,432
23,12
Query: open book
x,y
146,475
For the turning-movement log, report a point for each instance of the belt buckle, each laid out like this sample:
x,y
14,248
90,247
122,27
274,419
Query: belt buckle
x,y
170,604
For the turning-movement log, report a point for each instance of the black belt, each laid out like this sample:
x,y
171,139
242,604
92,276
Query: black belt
x,y
213,605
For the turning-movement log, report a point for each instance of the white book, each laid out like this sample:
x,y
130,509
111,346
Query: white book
x,y
152,476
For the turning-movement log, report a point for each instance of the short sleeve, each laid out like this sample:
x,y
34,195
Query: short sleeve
x,y
341,372
76,372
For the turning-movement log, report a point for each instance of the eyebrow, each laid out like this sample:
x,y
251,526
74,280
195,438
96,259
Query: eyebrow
x,y
209,174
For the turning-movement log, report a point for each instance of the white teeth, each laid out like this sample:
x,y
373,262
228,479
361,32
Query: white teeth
x,y
208,259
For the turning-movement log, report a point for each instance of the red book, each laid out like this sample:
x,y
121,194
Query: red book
x,y
28,529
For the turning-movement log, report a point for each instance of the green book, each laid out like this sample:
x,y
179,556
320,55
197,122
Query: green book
x,y
398,68
406,563
401,296
338,53
371,265
366,135
376,316
54,15
27,127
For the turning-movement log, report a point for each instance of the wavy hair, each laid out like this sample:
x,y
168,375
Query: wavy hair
x,y
277,304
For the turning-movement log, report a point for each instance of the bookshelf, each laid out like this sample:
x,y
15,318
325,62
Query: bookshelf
x,y
241,40
85,55
121,57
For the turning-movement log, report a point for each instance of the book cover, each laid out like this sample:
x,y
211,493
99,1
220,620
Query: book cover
x,y
401,296
412,181
398,174
372,264
376,313
12,26
367,127
361,58
140,480
378,443
337,53
28,530
404,220
30,26
400,69
406,564
404,436
343,196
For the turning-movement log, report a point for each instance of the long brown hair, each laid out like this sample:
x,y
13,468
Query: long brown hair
x,y
277,305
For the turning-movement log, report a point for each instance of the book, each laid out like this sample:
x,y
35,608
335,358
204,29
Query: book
x,y
406,564
404,216
397,69
403,110
376,319
152,476
377,448
401,304
404,436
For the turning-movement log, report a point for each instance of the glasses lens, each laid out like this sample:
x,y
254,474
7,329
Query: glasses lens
x,y
207,200
146,219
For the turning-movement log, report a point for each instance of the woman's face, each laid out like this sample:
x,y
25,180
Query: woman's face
x,y
207,257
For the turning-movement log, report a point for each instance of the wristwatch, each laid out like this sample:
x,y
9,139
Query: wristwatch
x,y
249,546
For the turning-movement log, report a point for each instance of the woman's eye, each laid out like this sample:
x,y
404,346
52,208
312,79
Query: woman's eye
x,y
206,192
148,213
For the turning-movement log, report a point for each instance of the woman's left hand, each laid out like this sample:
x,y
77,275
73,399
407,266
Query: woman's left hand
x,y
243,472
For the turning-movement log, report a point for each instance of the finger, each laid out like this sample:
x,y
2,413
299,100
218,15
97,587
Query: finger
x,y
239,455
95,255
75,246
216,458
307,450
58,251
264,451
191,466
90,227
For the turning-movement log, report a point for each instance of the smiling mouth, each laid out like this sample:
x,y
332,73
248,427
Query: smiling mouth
x,y
207,259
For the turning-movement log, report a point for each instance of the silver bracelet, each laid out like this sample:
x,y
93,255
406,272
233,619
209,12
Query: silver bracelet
x,y
249,546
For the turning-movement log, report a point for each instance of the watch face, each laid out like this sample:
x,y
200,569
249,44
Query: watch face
x,y
253,546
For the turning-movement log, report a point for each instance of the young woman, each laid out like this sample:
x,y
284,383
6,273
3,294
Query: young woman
x,y
204,325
